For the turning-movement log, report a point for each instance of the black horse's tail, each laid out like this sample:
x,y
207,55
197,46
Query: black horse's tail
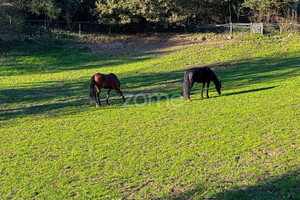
x,y
187,85
92,89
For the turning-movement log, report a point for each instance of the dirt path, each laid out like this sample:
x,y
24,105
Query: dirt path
x,y
136,44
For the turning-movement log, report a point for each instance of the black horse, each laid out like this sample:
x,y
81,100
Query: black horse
x,y
107,81
200,75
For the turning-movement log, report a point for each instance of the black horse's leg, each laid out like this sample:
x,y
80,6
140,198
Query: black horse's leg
x,y
108,90
189,92
203,85
121,94
207,89
123,98
118,91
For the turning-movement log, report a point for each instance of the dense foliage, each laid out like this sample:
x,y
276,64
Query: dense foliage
x,y
143,12
272,10
127,11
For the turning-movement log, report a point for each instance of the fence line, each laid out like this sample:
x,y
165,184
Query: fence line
x,y
81,27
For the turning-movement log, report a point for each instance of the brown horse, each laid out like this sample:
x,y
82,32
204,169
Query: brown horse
x,y
108,82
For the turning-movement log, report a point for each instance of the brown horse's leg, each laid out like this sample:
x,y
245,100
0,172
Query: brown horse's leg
x,y
120,93
108,90
97,95
98,102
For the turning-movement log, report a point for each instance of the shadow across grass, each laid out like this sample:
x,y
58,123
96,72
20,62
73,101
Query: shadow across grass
x,y
286,186
258,70
42,97
27,58
46,96
39,109
150,87
248,91
53,96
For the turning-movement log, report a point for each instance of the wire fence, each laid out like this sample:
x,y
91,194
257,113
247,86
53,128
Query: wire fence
x,y
80,27
96,28
93,27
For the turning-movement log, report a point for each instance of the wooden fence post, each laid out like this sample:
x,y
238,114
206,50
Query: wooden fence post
x,y
79,29
231,30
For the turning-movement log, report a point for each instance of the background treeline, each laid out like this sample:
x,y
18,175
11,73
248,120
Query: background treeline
x,y
139,13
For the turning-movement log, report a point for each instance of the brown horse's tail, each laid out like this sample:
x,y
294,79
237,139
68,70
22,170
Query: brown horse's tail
x,y
187,85
92,89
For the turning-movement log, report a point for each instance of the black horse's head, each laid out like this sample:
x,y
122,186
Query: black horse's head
x,y
218,87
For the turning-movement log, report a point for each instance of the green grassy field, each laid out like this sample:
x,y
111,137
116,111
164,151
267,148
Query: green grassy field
x,y
245,144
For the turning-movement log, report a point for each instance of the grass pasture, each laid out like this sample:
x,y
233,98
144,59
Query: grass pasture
x,y
244,144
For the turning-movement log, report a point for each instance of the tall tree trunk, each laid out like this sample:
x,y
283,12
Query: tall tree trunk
x,y
230,17
109,29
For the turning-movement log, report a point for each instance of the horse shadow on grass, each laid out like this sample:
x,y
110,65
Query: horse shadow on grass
x,y
148,85
50,96
139,90
248,91
258,70
286,186
235,75
41,98
53,97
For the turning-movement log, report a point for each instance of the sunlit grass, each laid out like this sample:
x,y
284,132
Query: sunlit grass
x,y
243,144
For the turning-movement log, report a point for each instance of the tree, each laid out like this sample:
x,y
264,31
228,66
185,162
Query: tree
x,y
138,13
234,9
69,9
86,10
116,12
11,21
271,10
46,8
